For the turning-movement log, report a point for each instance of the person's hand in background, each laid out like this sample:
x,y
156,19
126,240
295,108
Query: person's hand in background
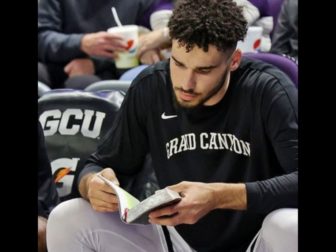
x,y
154,40
79,67
102,44
150,57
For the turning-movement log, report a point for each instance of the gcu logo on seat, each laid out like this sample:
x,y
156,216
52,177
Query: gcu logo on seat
x,y
71,121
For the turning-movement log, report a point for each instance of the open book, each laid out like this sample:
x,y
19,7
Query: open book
x,y
133,211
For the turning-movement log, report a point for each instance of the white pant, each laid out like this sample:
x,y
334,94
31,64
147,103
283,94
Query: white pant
x,y
279,232
75,226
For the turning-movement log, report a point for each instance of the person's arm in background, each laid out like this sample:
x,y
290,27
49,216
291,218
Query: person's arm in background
x,y
151,43
157,39
100,44
47,194
56,46
285,35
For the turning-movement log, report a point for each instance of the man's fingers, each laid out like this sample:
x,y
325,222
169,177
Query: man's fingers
x,y
108,197
165,211
166,221
105,209
67,68
101,203
103,53
114,48
110,175
141,50
113,37
104,200
155,58
179,187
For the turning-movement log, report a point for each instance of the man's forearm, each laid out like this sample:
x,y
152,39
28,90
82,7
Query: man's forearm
x,y
230,196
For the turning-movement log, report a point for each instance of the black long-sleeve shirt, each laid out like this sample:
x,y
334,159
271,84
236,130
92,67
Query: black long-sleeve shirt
x,y
249,136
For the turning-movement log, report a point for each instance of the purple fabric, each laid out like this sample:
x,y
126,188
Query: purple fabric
x,y
284,64
158,5
132,73
261,5
268,8
273,9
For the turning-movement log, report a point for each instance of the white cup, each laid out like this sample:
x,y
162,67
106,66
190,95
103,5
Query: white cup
x,y
159,19
252,40
129,58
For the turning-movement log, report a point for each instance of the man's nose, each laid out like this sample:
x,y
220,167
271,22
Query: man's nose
x,y
189,82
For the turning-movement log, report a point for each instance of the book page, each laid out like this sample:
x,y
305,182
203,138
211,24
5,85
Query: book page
x,y
126,200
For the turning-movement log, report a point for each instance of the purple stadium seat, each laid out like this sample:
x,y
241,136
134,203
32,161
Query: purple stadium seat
x,y
268,8
261,5
130,75
122,85
157,6
163,5
284,64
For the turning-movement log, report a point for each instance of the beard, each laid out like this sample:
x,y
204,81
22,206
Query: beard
x,y
208,96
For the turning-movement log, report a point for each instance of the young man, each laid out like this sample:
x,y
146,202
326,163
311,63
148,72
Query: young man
x,y
221,131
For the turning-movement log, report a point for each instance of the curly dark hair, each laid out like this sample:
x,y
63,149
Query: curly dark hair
x,y
207,22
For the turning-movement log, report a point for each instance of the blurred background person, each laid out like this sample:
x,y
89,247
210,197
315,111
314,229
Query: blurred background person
x,y
285,36
74,49
47,194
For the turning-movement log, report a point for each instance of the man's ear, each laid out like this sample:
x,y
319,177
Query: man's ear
x,y
236,58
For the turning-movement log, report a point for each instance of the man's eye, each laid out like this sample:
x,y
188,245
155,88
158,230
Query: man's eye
x,y
203,71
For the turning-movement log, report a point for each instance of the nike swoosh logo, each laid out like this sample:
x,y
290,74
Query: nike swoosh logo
x,y
164,116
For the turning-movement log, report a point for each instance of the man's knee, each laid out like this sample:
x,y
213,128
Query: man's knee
x,y
74,224
68,214
279,231
70,209
65,221
282,221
